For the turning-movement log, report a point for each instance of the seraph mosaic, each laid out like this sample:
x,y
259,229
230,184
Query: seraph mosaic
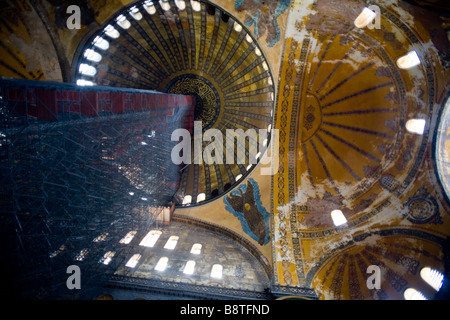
x,y
263,15
245,204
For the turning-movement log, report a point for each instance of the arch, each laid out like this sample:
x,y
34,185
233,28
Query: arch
x,y
413,294
433,277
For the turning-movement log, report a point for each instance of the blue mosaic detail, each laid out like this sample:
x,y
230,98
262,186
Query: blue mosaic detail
x,y
236,201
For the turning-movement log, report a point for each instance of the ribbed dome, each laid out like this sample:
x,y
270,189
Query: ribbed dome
x,y
192,48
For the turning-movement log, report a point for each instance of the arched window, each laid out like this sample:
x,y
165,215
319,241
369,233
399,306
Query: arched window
x,y
150,239
101,43
87,70
187,199
201,197
101,237
128,237
165,5
408,61
196,248
162,264
149,7
171,243
415,126
216,271
180,4
80,256
237,26
93,56
82,83
123,22
413,294
433,277
338,217
189,267
111,32
366,17
134,12
133,260
107,257
196,6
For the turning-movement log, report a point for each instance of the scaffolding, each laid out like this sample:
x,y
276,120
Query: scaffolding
x,y
79,168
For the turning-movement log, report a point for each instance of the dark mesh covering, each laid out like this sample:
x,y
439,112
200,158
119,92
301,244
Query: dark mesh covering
x,y
76,164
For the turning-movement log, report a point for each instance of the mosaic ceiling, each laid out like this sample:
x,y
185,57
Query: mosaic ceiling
x,y
195,48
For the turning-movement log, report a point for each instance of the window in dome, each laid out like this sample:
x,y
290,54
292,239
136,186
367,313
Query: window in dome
x,y
149,7
196,6
338,217
101,237
133,260
416,126
123,22
189,267
56,252
196,248
187,199
93,56
111,32
366,17
150,239
82,83
408,61
87,70
201,197
180,4
413,294
101,43
80,256
433,277
171,243
129,236
165,5
162,264
134,12
237,26
216,271
107,257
